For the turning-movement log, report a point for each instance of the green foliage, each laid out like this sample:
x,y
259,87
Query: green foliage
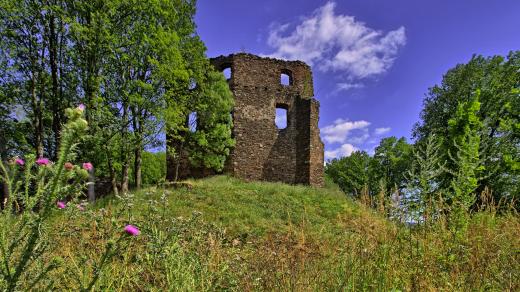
x,y
211,142
387,169
133,64
206,94
497,80
467,141
464,129
392,159
351,173
154,167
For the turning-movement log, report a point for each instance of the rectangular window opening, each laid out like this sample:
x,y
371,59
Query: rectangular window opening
x,y
281,118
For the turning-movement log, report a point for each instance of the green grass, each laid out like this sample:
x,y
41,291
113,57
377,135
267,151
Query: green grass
x,y
259,208
225,234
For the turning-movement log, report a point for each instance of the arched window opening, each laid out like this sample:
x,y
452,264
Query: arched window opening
x,y
192,122
286,77
281,117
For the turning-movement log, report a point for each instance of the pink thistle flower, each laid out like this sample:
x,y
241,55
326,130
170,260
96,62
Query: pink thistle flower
x,y
87,166
61,205
81,107
19,161
43,161
132,230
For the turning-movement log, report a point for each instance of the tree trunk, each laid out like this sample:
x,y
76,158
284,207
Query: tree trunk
x,y
111,171
137,167
56,100
124,152
124,177
178,161
3,144
37,120
138,128
40,116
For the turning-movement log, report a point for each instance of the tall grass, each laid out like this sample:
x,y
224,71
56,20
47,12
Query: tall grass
x,y
224,234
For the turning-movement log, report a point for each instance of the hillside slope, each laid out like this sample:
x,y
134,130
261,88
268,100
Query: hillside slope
x,y
225,234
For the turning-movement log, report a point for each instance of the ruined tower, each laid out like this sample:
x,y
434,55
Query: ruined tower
x,y
292,155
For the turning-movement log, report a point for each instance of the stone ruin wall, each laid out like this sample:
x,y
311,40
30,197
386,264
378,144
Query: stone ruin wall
x,y
291,155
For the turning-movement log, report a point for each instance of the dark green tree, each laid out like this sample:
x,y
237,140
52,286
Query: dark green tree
x,y
392,160
351,173
498,79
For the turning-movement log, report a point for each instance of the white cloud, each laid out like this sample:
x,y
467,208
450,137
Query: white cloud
x,y
361,138
346,86
344,150
338,43
340,130
381,131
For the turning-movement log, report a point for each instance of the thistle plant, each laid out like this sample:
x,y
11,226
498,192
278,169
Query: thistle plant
x,y
467,164
422,179
35,189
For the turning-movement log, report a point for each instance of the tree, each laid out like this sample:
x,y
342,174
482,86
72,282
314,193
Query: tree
x,y
24,46
204,93
210,144
388,168
154,167
138,66
351,173
392,160
498,79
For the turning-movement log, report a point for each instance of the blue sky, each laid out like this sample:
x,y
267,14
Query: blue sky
x,y
373,60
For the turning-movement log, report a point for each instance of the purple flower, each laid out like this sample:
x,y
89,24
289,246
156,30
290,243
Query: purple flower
x,y
132,230
43,161
19,161
81,107
87,166
61,205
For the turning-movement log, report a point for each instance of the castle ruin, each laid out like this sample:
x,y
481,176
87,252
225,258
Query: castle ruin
x,y
291,155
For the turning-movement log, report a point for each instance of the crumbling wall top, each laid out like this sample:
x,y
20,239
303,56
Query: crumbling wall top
x,y
256,71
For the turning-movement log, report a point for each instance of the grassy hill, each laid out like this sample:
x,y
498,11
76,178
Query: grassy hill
x,y
225,234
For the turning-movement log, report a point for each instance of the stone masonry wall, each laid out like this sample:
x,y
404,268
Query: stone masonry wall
x,y
263,152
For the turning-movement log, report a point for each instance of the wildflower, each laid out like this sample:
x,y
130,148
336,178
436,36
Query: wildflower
x,y
43,161
81,208
61,205
68,166
87,166
132,230
81,107
19,161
